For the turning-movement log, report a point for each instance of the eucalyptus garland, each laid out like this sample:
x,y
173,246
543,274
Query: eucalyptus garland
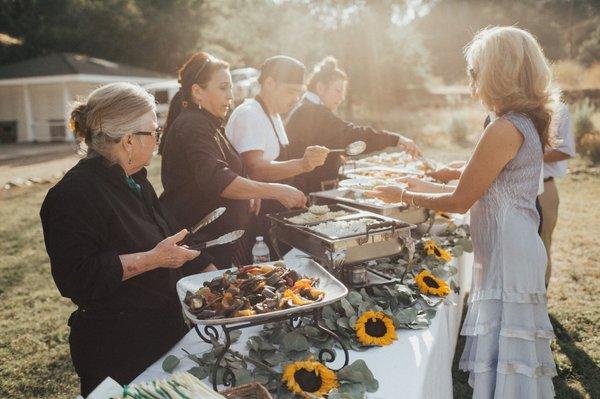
x,y
281,355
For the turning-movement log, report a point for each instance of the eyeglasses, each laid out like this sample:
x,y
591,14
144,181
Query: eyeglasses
x,y
157,133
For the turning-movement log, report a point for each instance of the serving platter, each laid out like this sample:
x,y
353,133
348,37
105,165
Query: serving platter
x,y
333,288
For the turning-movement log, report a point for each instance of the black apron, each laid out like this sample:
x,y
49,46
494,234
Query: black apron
x,y
261,225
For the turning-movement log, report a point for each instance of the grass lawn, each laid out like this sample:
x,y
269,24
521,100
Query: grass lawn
x,y
34,341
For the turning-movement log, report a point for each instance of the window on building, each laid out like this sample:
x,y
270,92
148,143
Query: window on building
x,y
161,96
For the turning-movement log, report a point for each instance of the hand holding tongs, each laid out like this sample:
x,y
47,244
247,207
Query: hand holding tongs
x,y
208,219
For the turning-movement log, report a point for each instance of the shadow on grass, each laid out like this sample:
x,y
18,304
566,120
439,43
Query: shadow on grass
x,y
584,369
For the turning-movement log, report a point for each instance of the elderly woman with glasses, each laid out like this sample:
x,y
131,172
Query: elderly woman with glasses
x,y
112,248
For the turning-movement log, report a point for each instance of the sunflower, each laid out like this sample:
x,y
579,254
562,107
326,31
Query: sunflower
x,y
309,377
432,249
375,328
429,284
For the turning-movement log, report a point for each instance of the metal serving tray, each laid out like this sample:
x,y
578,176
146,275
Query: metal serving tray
x,y
333,288
401,212
383,238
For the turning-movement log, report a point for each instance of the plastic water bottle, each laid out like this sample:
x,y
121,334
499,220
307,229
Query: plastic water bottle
x,y
260,251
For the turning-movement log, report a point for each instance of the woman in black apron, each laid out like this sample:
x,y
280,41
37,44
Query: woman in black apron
x,y
201,170
314,122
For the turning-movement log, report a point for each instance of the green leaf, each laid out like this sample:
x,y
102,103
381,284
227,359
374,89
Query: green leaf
x,y
199,372
359,372
457,251
352,391
348,309
355,298
275,358
465,243
343,322
170,363
294,341
235,335
406,316
242,376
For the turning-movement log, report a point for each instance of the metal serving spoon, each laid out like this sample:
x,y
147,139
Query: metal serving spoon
x,y
356,148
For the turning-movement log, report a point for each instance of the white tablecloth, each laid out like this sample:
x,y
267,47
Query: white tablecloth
x,y
418,365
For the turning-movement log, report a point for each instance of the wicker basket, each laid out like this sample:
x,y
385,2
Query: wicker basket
x,y
247,391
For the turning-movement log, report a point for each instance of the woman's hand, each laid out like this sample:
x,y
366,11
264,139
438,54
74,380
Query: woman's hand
x,y
448,172
418,185
408,145
391,194
289,196
168,254
255,206
314,156
209,268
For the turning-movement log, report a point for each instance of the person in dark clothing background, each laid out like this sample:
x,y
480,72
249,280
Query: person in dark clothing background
x,y
201,170
314,122
112,247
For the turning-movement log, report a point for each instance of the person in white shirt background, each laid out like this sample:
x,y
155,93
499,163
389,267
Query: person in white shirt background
x,y
257,132
555,166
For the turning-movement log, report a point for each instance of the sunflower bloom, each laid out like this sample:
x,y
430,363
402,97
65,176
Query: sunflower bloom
x,y
431,285
432,249
375,328
309,377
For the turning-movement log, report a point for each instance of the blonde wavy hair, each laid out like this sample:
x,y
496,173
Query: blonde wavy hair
x,y
508,69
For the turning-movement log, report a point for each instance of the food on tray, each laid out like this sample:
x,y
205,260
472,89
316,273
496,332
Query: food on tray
x,y
323,213
318,209
396,159
378,174
343,228
253,289
367,183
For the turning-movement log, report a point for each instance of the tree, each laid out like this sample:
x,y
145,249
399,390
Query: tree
x,y
154,34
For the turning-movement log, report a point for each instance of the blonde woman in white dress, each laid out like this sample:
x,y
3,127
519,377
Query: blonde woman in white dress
x,y
507,351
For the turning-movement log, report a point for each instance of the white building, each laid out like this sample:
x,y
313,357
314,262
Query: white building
x,y
36,94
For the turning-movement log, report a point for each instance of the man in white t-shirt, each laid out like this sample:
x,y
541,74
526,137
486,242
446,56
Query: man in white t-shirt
x,y
257,132
555,166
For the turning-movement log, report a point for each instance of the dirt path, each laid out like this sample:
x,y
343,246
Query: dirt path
x,y
43,166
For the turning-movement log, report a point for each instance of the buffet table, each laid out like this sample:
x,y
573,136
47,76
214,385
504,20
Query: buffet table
x,y
418,364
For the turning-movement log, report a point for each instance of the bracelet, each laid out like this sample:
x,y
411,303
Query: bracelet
x,y
402,195
412,202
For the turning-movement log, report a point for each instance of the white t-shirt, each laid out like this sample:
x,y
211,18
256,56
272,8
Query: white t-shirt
x,y
564,143
249,129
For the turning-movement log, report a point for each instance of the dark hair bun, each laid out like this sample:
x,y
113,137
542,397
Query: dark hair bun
x,y
78,122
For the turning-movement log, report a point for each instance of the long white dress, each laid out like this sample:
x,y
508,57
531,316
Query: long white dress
x,y
507,351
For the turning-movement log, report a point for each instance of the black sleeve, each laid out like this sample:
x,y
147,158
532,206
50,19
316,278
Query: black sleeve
x,y
348,132
73,226
199,263
211,171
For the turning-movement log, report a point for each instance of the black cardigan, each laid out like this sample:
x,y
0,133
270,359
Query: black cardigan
x,y
90,218
314,124
198,163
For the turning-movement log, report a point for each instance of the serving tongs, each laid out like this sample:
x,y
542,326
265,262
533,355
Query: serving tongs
x,y
208,219
224,239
